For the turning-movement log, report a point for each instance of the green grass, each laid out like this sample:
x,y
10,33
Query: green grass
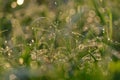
x,y
62,40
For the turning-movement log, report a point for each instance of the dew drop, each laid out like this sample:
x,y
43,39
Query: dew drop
x,y
103,29
97,37
9,54
30,44
32,41
21,61
5,42
108,39
32,28
14,4
55,3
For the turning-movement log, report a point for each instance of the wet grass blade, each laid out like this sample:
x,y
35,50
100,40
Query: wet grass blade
x,y
95,4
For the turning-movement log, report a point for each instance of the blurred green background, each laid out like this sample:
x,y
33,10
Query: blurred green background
x,y
59,40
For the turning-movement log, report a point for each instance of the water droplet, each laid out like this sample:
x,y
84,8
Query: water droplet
x,y
32,28
108,39
32,41
7,48
9,54
97,37
21,60
5,42
55,3
14,4
103,29
30,44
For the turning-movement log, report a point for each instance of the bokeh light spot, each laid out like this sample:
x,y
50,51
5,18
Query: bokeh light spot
x,y
14,4
20,2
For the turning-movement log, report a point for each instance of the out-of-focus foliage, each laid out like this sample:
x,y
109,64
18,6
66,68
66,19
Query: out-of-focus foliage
x,y
59,40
